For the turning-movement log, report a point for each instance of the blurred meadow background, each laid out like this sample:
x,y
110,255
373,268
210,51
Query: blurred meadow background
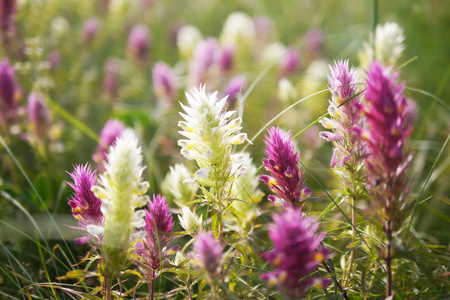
x,y
78,64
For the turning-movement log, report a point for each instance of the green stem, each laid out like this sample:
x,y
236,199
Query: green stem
x,y
108,288
389,259
374,24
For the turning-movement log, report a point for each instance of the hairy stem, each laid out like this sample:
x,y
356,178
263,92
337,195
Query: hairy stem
x,y
108,282
388,258
353,251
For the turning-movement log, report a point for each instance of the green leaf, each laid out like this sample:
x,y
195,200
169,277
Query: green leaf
x,y
354,245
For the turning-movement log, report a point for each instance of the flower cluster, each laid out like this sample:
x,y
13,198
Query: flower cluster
x,y
349,150
86,207
8,105
158,221
388,127
386,46
210,135
121,189
208,254
296,254
286,179
112,130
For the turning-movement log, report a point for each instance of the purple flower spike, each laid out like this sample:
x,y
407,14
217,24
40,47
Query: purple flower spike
x,y
158,221
314,39
209,253
226,58
139,43
90,29
345,118
8,89
7,15
290,63
233,89
39,114
86,208
164,82
205,55
286,180
110,133
111,78
388,128
296,254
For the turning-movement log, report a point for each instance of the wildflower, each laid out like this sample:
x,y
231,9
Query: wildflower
x,y
187,39
152,250
235,87
7,15
190,221
386,134
90,29
208,254
264,29
164,83
210,135
86,207
313,39
112,130
8,88
111,78
139,41
122,191
39,114
286,90
289,62
296,254
344,117
173,184
226,58
286,180
387,45
182,263
238,31
205,55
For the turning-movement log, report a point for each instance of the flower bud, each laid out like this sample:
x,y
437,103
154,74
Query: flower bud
x,y
190,221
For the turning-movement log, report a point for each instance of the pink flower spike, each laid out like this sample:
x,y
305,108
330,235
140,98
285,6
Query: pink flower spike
x,y
286,180
209,253
296,253
86,208
112,130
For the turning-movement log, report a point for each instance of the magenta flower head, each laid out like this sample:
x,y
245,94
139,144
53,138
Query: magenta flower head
x,y
7,15
388,127
208,254
90,29
290,63
111,78
296,254
86,208
8,88
39,114
226,58
314,40
286,180
205,55
164,82
139,43
237,86
110,133
158,222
